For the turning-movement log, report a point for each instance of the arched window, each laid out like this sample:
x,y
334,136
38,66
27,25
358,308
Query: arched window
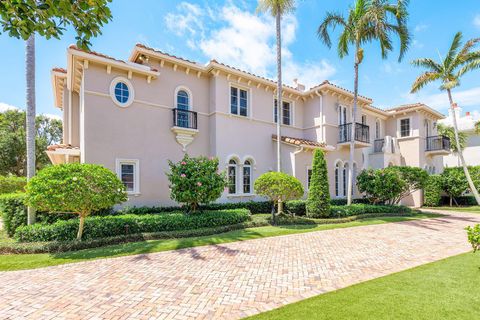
x,y
183,105
247,177
232,177
345,181
337,179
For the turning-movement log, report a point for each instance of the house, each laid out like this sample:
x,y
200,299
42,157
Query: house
x,y
132,116
471,153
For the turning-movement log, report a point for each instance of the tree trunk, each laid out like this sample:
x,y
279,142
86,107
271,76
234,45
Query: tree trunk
x,y
80,227
30,114
352,133
280,206
473,189
451,201
279,89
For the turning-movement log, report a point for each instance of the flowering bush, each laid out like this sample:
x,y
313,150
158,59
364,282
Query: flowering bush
x,y
75,188
195,181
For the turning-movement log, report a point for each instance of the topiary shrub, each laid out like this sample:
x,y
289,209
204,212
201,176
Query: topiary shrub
x,y
278,187
11,184
318,201
195,181
75,188
433,191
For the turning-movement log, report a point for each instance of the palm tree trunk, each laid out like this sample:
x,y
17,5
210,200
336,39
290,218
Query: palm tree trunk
x,y
279,98
30,114
352,133
473,189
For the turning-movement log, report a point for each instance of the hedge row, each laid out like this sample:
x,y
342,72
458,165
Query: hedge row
x,y
11,184
461,201
103,227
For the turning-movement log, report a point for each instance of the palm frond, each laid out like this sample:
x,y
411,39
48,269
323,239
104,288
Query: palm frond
x,y
429,64
450,84
276,6
332,20
470,66
423,80
453,51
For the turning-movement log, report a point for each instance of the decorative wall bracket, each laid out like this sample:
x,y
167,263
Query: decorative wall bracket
x,y
184,136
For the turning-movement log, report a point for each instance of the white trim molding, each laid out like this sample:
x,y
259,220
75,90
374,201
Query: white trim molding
x,y
136,173
131,91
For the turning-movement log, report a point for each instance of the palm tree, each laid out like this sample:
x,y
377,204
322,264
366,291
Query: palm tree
x,y
30,114
449,132
367,20
278,8
449,70
477,127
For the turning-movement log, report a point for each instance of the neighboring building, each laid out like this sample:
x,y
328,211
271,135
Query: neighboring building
x,y
471,153
132,116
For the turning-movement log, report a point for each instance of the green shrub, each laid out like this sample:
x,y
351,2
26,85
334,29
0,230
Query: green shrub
x,y
278,187
454,182
76,188
11,184
474,236
433,191
296,207
461,201
343,201
102,227
381,185
195,181
318,201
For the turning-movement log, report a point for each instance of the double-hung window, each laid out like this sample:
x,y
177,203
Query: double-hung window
x,y
247,177
232,177
238,101
286,113
128,172
405,127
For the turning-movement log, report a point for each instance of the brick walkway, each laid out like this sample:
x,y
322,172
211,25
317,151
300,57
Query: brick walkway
x,y
229,281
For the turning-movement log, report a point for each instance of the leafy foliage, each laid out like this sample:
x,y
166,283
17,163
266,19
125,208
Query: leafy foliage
x,y
474,236
278,187
12,184
13,158
453,182
275,7
75,188
433,191
414,178
195,181
318,201
449,132
103,227
49,18
380,186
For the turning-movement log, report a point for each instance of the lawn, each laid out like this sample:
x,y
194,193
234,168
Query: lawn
x,y
446,289
471,209
29,261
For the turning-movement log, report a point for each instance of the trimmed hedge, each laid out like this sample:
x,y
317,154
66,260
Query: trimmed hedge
x,y
11,184
103,227
433,191
297,207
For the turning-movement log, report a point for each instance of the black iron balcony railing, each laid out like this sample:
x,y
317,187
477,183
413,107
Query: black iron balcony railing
x,y
184,119
436,143
378,145
362,133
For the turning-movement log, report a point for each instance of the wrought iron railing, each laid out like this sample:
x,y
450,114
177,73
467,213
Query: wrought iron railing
x,y
436,143
185,118
362,133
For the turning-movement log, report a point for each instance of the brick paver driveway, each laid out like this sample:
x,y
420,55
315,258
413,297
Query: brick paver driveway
x,y
232,280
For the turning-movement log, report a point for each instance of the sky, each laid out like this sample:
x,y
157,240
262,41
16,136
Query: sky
x,y
233,33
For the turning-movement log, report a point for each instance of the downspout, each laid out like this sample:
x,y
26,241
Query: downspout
x,y
293,158
322,135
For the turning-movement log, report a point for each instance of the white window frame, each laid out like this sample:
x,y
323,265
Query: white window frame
x,y
250,177
342,115
249,97
364,116
399,129
136,173
292,111
235,166
190,97
131,92
378,129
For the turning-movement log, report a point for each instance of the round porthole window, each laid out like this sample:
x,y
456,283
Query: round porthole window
x,y
121,91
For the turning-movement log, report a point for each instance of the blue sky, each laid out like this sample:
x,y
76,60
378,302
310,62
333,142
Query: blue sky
x,y
231,32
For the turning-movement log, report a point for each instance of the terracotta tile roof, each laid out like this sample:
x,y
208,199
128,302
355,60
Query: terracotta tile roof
x,y
161,52
101,55
326,82
61,70
54,147
299,141
411,106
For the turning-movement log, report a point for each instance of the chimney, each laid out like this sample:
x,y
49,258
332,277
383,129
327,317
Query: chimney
x,y
467,114
298,86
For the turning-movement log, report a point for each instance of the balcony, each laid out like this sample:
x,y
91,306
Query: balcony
x,y
185,126
437,145
362,134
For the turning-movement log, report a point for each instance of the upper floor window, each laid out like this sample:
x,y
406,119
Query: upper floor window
x,y
183,101
342,115
377,129
286,113
121,91
364,119
238,101
405,127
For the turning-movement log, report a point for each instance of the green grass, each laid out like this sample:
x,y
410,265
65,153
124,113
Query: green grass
x,y
29,261
446,289
471,209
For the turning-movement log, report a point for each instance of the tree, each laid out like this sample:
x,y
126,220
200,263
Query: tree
x,y
195,181
458,61
454,183
13,159
414,179
278,187
367,20
318,201
277,9
449,132
75,188
49,18
380,186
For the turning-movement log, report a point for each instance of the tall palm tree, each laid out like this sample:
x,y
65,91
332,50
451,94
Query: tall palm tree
x,y
30,114
458,61
367,21
278,8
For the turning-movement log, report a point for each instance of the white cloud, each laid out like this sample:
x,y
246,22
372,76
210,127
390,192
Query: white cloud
x,y
4,107
439,101
476,21
421,27
188,19
390,68
247,41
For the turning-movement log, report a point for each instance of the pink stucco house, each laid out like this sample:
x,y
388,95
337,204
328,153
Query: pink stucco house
x,y
132,116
